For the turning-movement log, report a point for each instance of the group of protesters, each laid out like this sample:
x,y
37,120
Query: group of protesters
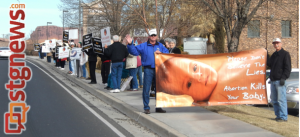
x,y
120,60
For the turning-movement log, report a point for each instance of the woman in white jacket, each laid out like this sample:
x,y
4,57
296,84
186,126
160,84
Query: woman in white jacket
x,y
131,64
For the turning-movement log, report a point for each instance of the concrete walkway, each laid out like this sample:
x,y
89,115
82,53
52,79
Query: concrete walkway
x,y
185,121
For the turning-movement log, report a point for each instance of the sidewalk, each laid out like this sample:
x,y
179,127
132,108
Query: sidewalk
x,y
185,121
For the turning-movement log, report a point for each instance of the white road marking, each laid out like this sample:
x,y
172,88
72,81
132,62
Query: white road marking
x,y
84,104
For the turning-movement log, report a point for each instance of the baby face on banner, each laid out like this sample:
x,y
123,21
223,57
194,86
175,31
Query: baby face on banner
x,y
179,76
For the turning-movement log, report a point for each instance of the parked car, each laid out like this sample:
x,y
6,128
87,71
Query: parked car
x,y
292,89
5,52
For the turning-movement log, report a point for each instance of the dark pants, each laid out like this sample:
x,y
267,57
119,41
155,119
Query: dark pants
x,y
57,62
49,59
62,64
92,65
149,77
105,68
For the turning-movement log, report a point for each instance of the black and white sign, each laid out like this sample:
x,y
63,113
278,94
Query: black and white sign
x,y
36,47
65,36
97,46
57,51
87,41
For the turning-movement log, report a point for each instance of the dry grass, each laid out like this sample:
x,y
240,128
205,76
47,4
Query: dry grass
x,y
259,117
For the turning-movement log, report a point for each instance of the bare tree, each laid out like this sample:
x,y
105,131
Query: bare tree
x,y
235,15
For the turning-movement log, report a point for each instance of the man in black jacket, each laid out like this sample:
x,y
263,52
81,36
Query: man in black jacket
x,y
116,52
92,64
105,68
280,64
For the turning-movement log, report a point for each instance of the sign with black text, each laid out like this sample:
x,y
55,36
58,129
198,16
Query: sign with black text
x,y
57,51
36,47
87,41
65,36
97,46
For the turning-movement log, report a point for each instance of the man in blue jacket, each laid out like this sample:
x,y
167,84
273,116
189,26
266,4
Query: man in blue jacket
x,y
147,51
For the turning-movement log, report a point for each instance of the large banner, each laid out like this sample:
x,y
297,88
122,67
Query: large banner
x,y
105,36
87,41
63,52
65,36
97,46
75,53
215,79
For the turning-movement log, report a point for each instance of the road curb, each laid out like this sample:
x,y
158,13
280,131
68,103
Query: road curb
x,y
145,120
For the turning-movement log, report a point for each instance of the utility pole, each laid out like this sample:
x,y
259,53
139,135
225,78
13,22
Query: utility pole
x,y
64,19
47,28
79,21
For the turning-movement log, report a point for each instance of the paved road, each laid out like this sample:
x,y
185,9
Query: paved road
x,y
54,112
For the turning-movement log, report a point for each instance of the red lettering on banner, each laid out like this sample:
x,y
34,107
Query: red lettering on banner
x,y
18,94
16,71
16,16
14,30
12,85
16,48
17,63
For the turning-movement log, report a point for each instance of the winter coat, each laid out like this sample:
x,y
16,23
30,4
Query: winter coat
x,y
146,50
116,52
280,64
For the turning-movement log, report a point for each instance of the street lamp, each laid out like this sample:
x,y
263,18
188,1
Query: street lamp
x,y
64,19
47,28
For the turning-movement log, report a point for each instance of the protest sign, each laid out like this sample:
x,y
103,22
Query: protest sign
x,y
83,58
87,41
59,42
73,33
57,51
65,36
63,52
97,46
215,79
45,49
105,36
75,53
50,43
36,47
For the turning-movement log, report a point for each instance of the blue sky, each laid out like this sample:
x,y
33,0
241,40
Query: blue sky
x,y
37,13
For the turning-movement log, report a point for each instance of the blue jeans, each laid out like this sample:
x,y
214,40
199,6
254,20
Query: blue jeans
x,y
149,75
49,59
83,70
70,66
73,66
278,98
132,72
140,73
116,74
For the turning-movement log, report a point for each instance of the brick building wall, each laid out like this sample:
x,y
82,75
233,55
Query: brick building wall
x,y
270,16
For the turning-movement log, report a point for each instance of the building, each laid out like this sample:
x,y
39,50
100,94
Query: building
x,y
274,20
39,35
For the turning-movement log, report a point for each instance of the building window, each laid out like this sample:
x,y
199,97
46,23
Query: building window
x,y
254,28
286,28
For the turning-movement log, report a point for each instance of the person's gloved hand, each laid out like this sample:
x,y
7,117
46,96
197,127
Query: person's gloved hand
x,y
282,81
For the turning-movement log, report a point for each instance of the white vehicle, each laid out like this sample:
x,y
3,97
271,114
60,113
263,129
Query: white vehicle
x,y
5,52
292,89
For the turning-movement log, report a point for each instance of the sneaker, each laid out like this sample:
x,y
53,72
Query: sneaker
x,y
113,91
82,77
62,68
281,120
160,110
132,89
275,119
147,111
117,90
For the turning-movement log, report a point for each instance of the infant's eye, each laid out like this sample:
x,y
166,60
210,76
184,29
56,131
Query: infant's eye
x,y
189,84
195,67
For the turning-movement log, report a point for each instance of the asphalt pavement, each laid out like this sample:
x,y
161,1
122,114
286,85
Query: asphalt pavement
x,y
185,121
54,112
